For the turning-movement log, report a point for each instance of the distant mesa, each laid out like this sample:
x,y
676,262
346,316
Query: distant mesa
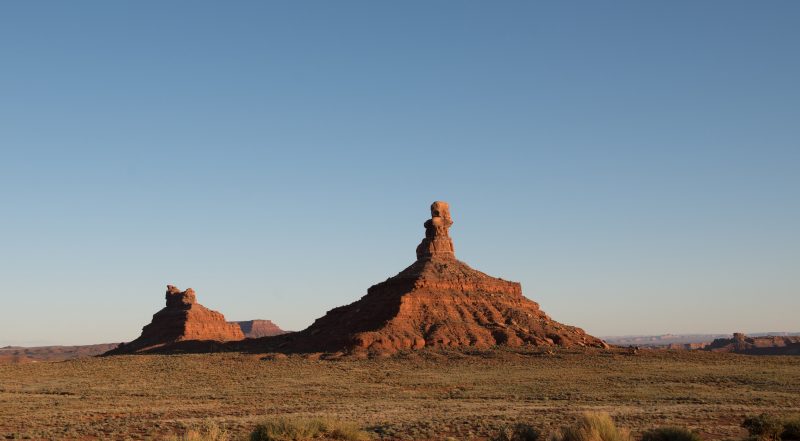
x,y
437,302
684,346
665,341
259,328
183,319
766,345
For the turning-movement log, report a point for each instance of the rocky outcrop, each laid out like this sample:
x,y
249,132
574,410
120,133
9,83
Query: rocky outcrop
x,y
437,302
183,319
259,328
767,345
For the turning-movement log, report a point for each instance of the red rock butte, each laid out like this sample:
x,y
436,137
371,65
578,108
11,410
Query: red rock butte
x,y
437,302
183,319
259,328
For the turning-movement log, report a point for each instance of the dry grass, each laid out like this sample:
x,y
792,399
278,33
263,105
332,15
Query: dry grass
x,y
207,431
593,426
422,396
303,429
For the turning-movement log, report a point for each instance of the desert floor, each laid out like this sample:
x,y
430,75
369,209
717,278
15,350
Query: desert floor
x,y
418,396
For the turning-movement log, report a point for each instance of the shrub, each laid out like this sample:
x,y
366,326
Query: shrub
x,y
791,428
593,427
670,434
298,429
208,431
764,427
518,432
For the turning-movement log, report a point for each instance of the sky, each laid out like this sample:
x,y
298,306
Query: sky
x,y
635,165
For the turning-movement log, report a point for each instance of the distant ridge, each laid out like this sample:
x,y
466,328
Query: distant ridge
x,y
665,340
18,354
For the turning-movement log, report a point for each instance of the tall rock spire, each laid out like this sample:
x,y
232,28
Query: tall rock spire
x,y
437,302
437,243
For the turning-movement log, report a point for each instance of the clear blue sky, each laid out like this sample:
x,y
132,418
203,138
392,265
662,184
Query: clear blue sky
x,y
636,165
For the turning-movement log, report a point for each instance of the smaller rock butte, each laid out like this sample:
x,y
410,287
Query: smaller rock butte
x,y
183,319
260,328
437,302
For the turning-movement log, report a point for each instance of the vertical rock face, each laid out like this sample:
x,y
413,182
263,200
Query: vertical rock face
x,y
179,299
437,243
183,319
436,302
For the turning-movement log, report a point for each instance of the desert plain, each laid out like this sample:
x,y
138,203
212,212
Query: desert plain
x,y
420,395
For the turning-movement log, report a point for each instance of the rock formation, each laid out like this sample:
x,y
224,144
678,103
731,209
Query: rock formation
x,y
683,346
437,243
183,319
259,328
767,345
437,302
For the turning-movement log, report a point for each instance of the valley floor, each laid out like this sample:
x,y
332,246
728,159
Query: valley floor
x,y
419,396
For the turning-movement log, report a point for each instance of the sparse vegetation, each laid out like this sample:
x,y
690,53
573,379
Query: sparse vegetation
x,y
518,432
764,427
791,428
593,426
207,431
421,395
670,434
299,429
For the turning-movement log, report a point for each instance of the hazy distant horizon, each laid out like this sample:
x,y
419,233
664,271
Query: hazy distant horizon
x,y
34,343
633,165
